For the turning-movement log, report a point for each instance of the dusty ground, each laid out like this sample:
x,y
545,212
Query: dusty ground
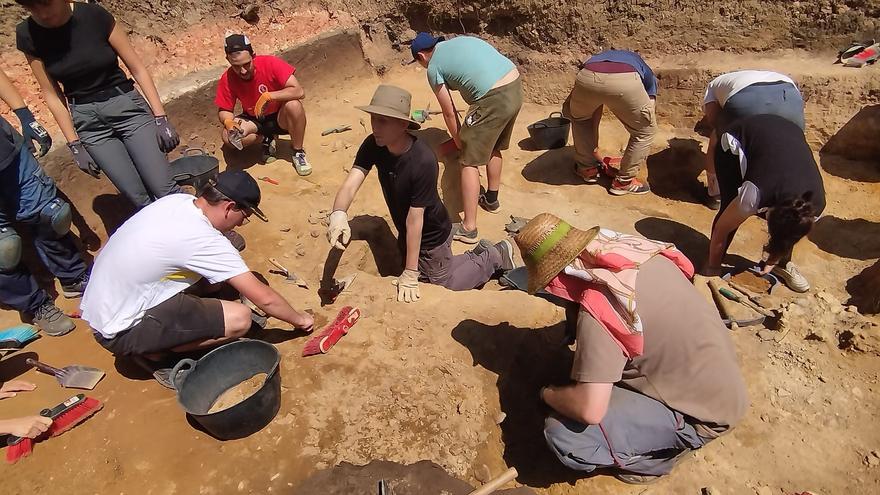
x,y
433,381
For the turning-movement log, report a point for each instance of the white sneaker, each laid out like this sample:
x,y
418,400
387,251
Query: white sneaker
x,y
792,277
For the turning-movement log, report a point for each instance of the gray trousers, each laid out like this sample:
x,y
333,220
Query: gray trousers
x,y
459,272
782,99
638,435
120,134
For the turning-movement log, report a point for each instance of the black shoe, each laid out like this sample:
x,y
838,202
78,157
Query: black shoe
x,y
159,369
491,207
268,147
75,289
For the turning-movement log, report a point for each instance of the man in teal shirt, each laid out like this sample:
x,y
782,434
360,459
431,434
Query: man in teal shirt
x,y
489,82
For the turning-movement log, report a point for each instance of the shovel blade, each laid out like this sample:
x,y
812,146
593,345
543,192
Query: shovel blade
x,y
235,140
82,377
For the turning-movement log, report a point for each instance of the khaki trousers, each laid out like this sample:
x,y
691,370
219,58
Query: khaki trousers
x,y
623,94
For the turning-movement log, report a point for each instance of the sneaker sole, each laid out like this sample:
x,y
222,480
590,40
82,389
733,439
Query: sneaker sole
x,y
623,192
466,240
303,172
71,295
486,209
508,258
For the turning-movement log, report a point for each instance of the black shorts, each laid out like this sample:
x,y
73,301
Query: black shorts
x,y
267,125
180,320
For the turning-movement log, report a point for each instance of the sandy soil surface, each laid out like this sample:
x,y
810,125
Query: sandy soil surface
x,y
452,379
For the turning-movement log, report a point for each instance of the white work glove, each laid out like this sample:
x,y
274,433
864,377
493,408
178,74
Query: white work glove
x,y
337,229
408,286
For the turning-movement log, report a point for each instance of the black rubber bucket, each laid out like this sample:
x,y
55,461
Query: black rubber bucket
x,y
550,133
195,168
200,383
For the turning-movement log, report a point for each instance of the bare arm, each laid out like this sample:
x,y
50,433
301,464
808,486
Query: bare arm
x,y
9,94
449,115
415,221
292,90
731,218
224,115
269,300
119,41
349,189
584,402
54,99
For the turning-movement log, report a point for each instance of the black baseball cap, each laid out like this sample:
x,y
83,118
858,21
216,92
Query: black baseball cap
x,y
237,43
240,187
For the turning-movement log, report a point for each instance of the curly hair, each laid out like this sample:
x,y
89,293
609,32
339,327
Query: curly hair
x,y
788,223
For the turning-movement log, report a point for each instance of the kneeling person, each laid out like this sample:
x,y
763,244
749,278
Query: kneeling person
x,y
135,301
408,173
655,373
271,101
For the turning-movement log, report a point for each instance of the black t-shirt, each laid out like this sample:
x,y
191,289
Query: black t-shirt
x,y
408,180
776,158
78,55
10,143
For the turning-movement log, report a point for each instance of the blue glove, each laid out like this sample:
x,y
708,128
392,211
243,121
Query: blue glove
x,y
33,131
168,138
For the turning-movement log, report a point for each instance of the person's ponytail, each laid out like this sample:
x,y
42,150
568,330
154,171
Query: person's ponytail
x,y
788,223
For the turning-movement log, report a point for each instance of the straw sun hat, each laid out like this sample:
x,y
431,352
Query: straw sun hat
x,y
547,244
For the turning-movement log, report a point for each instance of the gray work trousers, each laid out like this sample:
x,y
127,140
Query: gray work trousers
x,y
778,98
638,435
120,134
457,272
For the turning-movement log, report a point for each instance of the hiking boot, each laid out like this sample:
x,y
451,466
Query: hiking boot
x,y
466,236
792,277
268,149
486,205
301,164
619,187
636,479
590,175
236,239
52,320
76,289
505,249
158,369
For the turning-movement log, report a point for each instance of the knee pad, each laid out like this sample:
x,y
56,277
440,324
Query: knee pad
x,y
10,249
55,217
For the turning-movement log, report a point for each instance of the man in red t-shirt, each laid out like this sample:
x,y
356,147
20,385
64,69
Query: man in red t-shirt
x,y
270,97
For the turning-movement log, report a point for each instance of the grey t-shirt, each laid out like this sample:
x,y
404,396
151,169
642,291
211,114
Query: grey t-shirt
x,y
688,363
10,143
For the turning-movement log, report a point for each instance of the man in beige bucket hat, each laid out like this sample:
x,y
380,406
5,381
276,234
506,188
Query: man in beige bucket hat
x,y
655,374
408,172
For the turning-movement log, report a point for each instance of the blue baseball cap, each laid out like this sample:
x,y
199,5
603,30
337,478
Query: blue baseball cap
x,y
423,41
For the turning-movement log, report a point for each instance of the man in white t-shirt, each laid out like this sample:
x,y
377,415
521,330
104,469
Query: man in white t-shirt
x,y
744,93
135,301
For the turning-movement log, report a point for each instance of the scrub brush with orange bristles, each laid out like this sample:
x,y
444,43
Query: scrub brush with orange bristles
x,y
64,416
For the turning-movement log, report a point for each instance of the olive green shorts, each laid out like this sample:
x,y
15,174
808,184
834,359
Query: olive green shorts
x,y
488,124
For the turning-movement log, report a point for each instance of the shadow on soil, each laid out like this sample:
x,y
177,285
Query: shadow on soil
x,y
382,244
856,140
553,167
864,290
524,359
673,172
857,239
691,242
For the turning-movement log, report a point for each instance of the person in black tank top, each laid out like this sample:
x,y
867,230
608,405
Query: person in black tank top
x,y
765,167
73,50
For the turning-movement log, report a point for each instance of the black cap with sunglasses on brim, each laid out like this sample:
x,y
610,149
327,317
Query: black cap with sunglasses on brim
x,y
237,43
240,187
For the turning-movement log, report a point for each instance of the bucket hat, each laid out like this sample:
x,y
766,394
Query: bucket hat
x,y
548,244
391,101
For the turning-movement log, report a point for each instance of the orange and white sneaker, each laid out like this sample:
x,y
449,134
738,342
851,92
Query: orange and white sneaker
x,y
590,175
619,187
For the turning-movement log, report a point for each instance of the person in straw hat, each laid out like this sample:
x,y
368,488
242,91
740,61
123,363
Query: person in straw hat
x,y
655,374
408,172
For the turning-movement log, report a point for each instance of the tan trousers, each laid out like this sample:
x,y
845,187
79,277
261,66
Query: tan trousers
x,y
623,94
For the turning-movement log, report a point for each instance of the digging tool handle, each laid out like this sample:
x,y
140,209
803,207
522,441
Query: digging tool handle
x,y
45,368
722,303
279,266
745,302
749,294
497,483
